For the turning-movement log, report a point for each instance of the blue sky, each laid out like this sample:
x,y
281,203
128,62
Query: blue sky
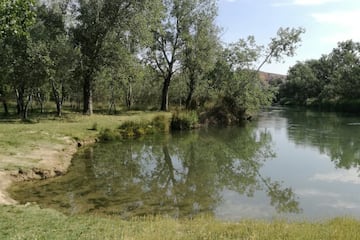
x,y
326,23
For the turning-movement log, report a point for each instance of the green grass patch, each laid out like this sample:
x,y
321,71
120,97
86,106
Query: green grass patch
x,y
31,222
19,139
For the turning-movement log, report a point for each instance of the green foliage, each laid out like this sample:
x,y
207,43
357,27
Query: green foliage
x,y
184,120
331,82
180,42
136,129
128,53
107,135
16,16
161,123
234,83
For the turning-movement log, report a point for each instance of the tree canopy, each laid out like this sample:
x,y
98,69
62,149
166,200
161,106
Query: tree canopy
x,y
139,54
331,81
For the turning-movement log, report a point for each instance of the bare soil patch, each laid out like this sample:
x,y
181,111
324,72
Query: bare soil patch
x,y
46,161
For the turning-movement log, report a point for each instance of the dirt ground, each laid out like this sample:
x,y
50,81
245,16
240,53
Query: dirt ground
x,y
51,161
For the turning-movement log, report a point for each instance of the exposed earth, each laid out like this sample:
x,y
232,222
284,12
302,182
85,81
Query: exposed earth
x,y
48,161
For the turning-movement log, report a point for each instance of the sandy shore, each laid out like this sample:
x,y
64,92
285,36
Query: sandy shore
x,y
54,161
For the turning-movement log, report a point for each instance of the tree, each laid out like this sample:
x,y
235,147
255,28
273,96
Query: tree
x,y
96,19
16,16
346,62
302,83
179,21
284,44
5,87
235,79
29,72
331,81
200,49
122,71
62,54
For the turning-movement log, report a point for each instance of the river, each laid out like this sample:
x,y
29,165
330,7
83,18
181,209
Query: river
x,y
289,163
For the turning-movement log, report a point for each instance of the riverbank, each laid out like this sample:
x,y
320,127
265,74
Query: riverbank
x,y
31,222
44,147
42,161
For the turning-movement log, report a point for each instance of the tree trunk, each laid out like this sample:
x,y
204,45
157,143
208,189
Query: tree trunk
x,y
19,101
25,110
88,103
190,94
129,96
58,98
165,94
3,100
6,109
59,108
112,104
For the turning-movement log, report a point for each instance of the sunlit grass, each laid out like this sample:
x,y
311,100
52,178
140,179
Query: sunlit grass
x,y
31,222
18,139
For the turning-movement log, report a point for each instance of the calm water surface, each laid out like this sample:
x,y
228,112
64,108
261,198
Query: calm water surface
x,y
291,164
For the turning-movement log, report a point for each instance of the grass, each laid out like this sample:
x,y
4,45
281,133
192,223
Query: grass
x,y
31,222
18,139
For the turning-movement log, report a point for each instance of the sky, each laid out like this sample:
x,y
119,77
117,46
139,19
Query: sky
x,y
326,23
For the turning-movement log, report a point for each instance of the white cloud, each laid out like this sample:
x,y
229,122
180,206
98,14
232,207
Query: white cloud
x,y
316,193
344,176
344,18
343,205
304,2
313,2
344,24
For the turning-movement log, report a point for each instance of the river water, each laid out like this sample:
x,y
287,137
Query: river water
x,y
290,163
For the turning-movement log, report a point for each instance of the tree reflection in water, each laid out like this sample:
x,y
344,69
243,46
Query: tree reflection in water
x,y
334,134
179,175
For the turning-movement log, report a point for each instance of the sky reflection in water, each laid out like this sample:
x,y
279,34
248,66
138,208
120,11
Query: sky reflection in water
x,y
291,164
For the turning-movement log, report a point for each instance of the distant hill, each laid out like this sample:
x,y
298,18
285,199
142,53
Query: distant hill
x,y
270,77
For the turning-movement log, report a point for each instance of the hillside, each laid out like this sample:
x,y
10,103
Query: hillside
x,y
270,77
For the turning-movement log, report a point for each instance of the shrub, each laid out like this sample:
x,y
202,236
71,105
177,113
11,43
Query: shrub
x,y
109,135
184,120
135,129
161,123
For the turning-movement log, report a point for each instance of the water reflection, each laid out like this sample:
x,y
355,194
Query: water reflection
x,y
179,175
334,134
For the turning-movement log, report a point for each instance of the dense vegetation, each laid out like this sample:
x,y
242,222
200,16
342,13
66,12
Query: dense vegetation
x,y
139,54
331,82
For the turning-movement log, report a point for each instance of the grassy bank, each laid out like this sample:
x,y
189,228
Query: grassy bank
x,y
25,145
30,222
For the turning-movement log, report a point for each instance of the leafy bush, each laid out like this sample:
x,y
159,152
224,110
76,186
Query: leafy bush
x,y
133,129
109,135
161,123
184,120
